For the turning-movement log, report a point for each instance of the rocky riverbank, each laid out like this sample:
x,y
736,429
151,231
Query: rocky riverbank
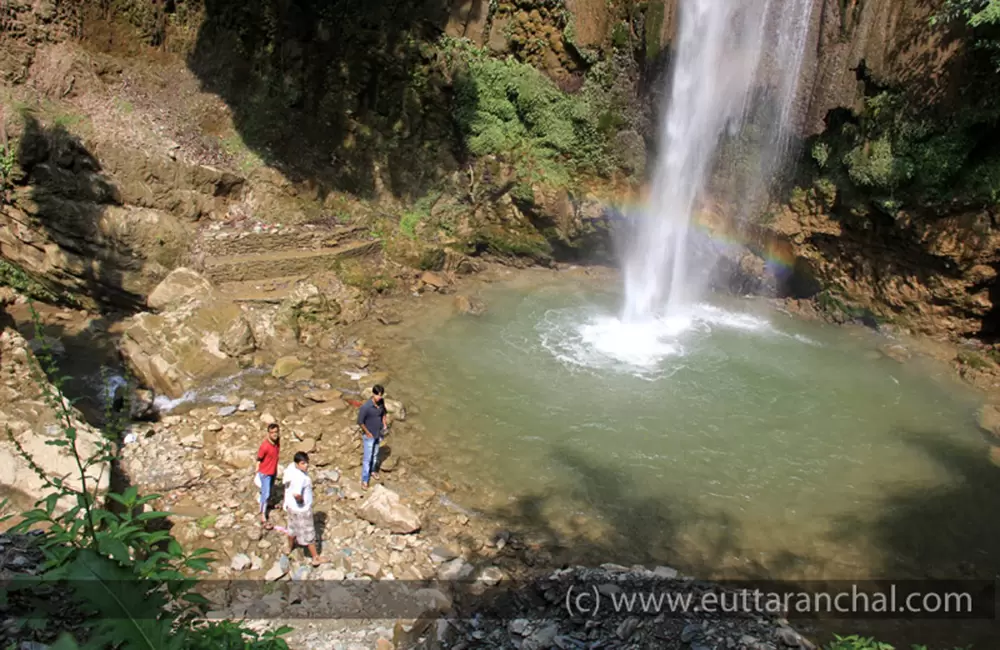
x,y
198,454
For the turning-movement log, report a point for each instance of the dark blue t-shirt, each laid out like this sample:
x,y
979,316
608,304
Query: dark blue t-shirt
x,y
371,416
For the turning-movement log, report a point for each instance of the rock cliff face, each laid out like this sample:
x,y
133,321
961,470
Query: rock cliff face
x,y
27,412
300,105
102,223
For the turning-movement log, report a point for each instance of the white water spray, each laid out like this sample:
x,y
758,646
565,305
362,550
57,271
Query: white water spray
x,y
735,62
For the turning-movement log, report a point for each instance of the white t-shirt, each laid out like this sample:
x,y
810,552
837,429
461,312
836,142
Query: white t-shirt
x,y
297,482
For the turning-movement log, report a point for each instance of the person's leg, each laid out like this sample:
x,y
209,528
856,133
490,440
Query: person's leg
x,y
316,559
375,448
265,494
366,459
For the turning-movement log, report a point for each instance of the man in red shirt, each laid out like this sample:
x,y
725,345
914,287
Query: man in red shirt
x,y
267,468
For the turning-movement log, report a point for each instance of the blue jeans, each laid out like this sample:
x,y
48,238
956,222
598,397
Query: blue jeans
x,y
370,459
266,483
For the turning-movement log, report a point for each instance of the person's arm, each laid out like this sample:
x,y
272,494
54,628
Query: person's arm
x,y
307,493
297,488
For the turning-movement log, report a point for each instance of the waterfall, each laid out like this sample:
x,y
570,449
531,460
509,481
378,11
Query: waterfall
x,y
734,76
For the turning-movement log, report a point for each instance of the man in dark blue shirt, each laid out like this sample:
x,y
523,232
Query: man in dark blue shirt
x,y
371,417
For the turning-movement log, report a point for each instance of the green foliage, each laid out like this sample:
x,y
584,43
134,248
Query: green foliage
x,y
896,154
826,191
418,213
207,521
855,642
974,13
873,164
132,582
356,274
972,359
8,159
655,14
13,276
821,153
621,35
511,110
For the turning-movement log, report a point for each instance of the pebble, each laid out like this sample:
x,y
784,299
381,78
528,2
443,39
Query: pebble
x,y
457,569
210,533
519,626
491,576
665,572
241,561
789,637
275,572
690,631
247,405
627,628
226,410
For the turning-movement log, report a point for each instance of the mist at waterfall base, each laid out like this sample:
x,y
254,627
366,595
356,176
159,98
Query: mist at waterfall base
x,y
732,93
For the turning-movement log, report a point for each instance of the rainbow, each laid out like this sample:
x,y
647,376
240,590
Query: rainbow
x,y
711,224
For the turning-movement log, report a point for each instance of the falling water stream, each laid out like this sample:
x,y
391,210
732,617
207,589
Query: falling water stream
x,y
737,64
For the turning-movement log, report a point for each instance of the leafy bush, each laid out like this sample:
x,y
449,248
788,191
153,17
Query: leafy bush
x,y
510,109
821,153
971,359
13,276
855,642
982,16
132,583
419,212
873,164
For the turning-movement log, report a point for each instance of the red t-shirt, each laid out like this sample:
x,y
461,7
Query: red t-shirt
x,y
268,457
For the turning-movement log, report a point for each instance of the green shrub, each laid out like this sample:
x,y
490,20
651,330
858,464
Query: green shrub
x,y
821,153
13,276
972,359
826,191
655,14
855,642
511,110
133,584
620,35
872,164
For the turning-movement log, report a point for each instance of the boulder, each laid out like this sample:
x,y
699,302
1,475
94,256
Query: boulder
x,y
457,569
435,280
180,285
33,423
238,338
395,409
323,395
468,305
285,366
177,350
384,509
989,419
894,351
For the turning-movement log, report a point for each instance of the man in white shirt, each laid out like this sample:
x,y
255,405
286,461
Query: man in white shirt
x,y
298,506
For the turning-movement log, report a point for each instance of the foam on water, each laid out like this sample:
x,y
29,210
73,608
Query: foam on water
x,y
598,341
216,392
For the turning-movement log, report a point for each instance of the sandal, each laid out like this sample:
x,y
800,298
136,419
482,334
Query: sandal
x,y
319,561
268,525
